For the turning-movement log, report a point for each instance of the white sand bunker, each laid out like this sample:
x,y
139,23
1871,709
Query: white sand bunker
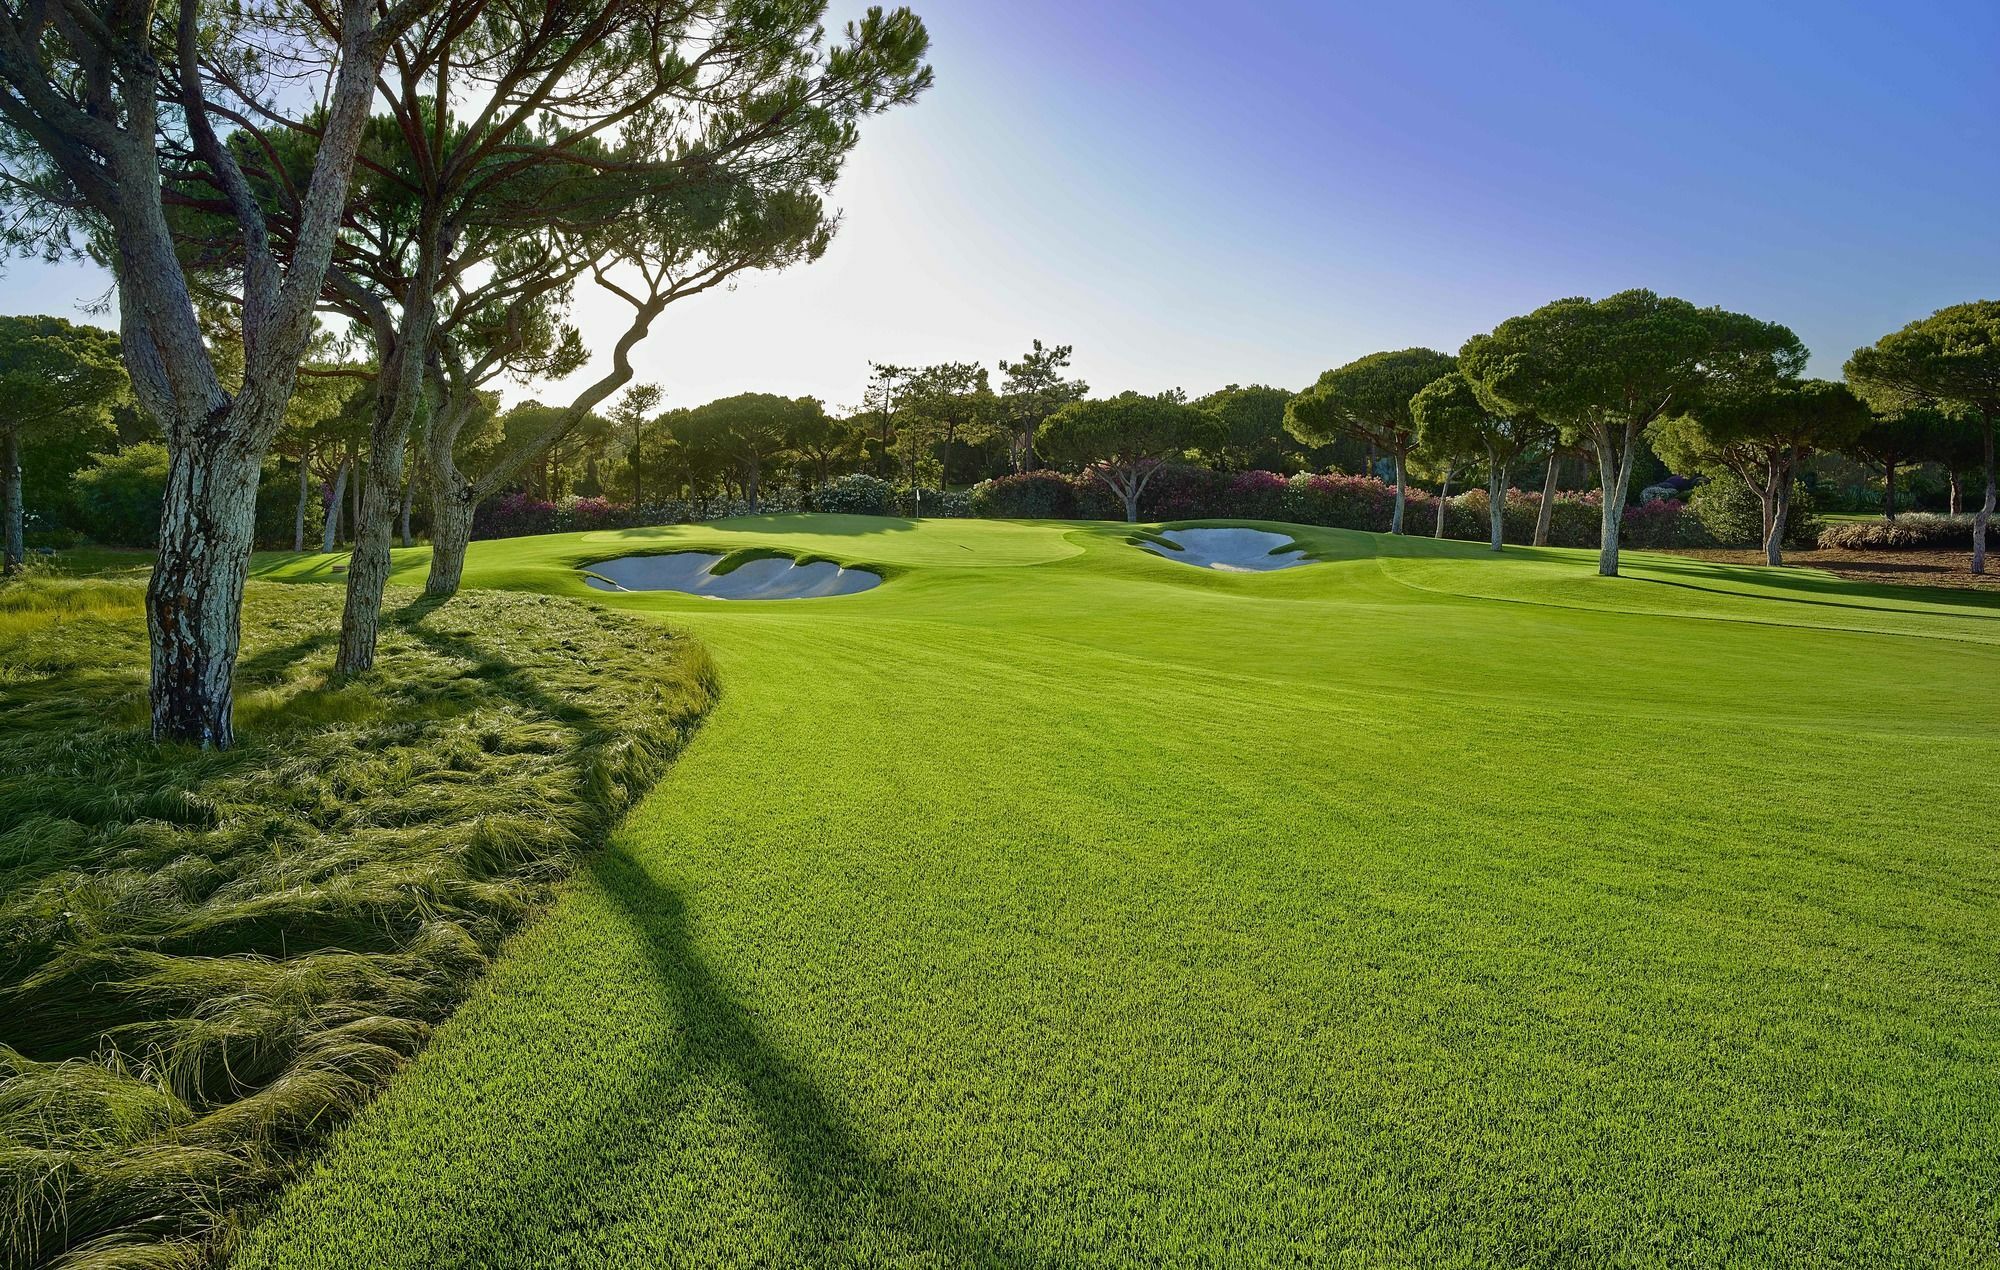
x,y
767,578
1230,550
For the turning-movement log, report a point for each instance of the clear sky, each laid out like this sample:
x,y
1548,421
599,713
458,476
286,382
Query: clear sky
x,y
1195,195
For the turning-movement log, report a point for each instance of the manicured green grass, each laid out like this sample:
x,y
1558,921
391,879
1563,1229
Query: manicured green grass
x,y
206,960
1056,904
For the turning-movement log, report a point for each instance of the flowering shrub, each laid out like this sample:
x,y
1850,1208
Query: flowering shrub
x,y
1258,495
513,516
1178,492
1043,495
1341,502
1655,524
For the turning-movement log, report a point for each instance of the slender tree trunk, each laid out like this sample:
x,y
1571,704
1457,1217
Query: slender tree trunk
x,y
1546,513
1956,501
1889,491
336,498
1985,513
356,476
637,438
194,604
1614,469
299,514
1444,500
1396,516
403,518
10,501
1496,502
1778,504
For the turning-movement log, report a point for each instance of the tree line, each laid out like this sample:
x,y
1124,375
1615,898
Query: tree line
x,y
434,179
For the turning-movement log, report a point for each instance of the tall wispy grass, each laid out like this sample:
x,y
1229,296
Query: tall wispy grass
x,y
208,960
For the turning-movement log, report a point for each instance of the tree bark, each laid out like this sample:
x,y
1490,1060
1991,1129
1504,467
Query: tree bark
x,y
1496,501
451,531
1780,505
1956,500
1444,499
194,604
1985,513
299,513
336,498
1614,470
403,517
1396,516
10,501
1546,513
1889,491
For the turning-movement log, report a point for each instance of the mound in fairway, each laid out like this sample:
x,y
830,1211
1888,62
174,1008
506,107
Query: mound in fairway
x,y
693,572
1419,908
1230,550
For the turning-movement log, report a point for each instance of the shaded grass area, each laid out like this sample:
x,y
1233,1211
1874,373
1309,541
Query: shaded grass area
x,y
207,960
1054,904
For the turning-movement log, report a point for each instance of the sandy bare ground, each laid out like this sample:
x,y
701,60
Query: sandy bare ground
x,y
1907,568
1229,550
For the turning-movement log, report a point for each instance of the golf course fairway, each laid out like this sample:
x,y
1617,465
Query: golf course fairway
x,y
1053,903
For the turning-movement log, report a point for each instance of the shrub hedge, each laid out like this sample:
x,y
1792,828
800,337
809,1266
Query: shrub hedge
x,y
1175,493
1912,531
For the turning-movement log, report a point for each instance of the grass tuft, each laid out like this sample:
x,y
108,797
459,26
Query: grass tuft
x,y
208,960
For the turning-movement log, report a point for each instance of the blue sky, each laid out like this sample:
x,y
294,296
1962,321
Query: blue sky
x,y
1199,194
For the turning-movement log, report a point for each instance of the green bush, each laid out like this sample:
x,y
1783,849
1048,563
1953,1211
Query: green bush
x,y
937,504
856,494
118,496
1729,512
118,499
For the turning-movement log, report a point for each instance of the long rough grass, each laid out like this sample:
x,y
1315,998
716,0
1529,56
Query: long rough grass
x,y
209,960
1056,904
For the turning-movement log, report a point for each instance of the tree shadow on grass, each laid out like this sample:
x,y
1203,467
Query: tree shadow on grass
x,y
846,1202
1815,588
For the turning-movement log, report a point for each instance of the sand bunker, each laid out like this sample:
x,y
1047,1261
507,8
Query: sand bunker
x,y
1230,550
769,578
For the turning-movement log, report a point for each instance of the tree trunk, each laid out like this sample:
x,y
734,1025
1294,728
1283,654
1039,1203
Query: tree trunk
x,y
299,514
1889,491
355,478
1396,516
403,518
750,476
451,531
368,566
1614,470
336,498
194,604
1957,498
10,500
1444,500
1546,512
1496,502
1985,513
1779,504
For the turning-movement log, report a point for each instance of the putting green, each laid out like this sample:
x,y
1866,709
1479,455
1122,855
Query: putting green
x,y
1053,903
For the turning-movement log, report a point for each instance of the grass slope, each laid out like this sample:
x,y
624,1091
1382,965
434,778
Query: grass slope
x,y
207,959
1054,904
